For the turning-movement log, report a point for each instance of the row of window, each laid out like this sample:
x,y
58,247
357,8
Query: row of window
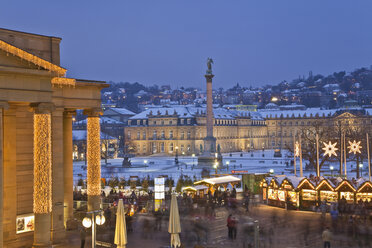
x,y
162,135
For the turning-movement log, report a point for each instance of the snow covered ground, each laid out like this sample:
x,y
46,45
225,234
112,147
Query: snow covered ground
x,y
161,165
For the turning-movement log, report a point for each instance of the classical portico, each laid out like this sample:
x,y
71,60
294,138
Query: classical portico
x,y
37,103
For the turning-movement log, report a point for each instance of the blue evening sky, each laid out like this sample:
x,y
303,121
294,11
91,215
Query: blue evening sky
x,y
168,41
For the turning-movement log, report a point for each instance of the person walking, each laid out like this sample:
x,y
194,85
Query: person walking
x,y
327,237
230,225
83,235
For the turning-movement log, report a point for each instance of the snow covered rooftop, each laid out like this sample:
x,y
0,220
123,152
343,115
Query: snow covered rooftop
x,y
82,135
102,120
122,111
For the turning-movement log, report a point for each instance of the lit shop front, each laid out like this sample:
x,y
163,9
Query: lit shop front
x,y
272,193
364,192
326,191
307,195
292,197
264,186
347,191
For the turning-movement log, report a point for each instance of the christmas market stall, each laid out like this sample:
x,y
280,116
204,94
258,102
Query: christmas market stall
x,y
216,182
264,185
346,190
364,192
326,191
307,195
272,193
198,191
289,184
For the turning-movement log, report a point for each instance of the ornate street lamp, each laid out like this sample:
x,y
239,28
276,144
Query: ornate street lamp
x,y
176,158
215,166
92,219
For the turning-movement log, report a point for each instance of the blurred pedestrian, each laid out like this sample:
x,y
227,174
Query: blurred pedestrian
x,y
327,238
230,225
83,235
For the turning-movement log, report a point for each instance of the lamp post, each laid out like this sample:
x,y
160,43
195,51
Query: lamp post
x,y
176,158
95,218
331,168
271,171
193,159
215,166
361,169
227,164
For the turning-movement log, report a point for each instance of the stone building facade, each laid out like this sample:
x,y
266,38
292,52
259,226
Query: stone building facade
x,y
37,103
165,129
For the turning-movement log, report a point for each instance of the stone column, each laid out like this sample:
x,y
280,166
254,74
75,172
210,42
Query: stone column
x,y
93,159
209,140
209,105
3,105
42,173
67,167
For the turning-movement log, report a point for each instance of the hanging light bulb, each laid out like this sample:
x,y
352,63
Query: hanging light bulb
x,y
87,222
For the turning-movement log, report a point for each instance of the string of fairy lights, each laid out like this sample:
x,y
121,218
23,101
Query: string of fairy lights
x,y
93,156
42,164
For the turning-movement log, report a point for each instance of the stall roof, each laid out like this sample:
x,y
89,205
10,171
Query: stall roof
x,y
295,180
196,188
219,180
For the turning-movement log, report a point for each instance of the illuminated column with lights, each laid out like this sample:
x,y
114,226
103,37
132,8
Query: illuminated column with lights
x,y
3,105
42,173
93,159
67,166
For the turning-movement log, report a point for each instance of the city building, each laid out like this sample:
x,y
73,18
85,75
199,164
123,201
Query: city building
x,y
182,128
37,103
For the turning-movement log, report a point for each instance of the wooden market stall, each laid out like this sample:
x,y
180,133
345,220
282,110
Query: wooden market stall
x,y
346,190
307,194
216,182
272,193
289,184
197,191
326,191
264,185
364,192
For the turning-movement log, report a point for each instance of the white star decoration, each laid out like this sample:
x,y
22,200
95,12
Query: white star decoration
x,y
354,147
297,149
330,149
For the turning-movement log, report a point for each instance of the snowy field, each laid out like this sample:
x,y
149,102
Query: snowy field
x,y
161,165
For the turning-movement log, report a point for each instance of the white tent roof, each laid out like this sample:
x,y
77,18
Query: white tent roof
x,y
219,180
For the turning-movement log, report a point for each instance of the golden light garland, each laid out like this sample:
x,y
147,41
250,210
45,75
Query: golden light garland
x,y
297,149
354,147
61,81
93,156
42,164
32,58
330,149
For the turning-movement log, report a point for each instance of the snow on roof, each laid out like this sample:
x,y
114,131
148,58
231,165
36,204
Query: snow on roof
x,y
295,180
82,135
122,111
296,113
219,180
102,120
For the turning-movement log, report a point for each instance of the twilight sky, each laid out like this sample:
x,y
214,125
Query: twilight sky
x,y
168,41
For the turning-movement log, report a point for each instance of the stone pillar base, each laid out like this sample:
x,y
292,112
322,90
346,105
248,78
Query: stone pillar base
x,y
42,231
94,202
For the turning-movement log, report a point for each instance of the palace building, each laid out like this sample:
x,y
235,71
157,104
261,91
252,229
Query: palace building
x,y
183,127
37,103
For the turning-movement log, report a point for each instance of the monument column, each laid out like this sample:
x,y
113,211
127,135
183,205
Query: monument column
x,y
209,105
42,173
67,167
93,159
3,105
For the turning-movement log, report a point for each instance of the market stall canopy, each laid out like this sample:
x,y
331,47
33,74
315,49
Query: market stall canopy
x,y
345,186
325,184
196,188
219,180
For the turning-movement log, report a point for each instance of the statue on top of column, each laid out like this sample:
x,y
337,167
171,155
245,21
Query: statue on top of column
x,y
209,65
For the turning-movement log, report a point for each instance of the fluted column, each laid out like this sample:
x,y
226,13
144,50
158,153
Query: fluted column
x,y
42,173
3,105
93,158
68,182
